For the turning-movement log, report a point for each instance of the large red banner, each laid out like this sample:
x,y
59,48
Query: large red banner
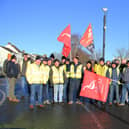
x,y
95,86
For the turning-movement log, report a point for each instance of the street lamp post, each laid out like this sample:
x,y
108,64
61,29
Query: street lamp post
x,y
104,30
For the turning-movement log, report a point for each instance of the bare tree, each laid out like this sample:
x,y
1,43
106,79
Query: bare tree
x,y
122,53
78,50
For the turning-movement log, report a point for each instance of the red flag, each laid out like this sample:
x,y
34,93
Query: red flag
x,y
65,37
95,86
87,38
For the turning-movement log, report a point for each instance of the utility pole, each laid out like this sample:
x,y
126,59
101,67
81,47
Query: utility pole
x,y
104,30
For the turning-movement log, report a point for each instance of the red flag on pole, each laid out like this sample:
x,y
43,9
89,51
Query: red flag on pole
x,y
87,38
95,86
65,37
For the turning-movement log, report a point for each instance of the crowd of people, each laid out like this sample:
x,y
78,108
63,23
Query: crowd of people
x,y
46,80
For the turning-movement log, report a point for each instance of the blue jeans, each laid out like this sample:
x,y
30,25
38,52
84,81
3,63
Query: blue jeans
x,y
125,88
45,92
24,86
50,92
65,91
36,88
114,88
58,93
74,89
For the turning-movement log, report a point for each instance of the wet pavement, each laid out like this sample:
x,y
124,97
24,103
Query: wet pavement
x,y
89,116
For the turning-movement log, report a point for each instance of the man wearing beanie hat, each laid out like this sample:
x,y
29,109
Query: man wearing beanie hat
x,y
35,79
101,68
57,79
52,57
63,59
5,73
125,80
24,83
50,85
45,74
67,80
76,73
114,87
12,74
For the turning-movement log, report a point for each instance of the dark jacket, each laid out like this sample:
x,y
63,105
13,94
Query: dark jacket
x,y
125,75
5,66
12,69
24,67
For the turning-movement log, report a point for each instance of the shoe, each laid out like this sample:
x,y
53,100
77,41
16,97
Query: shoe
x,y
10,99
45,102
110,104
61,103
121,104
41,106
80,103
48,102
22,97
16,100
31,107
71,102
77,102
117,104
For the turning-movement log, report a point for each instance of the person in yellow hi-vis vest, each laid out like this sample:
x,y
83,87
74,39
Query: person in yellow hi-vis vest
x,y
46,72
57,78
101,70
76,72
35,78
67,81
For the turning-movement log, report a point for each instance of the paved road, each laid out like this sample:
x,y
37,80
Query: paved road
x,y
14,115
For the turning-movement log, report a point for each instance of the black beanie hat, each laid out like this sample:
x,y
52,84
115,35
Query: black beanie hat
x,y
89,62
13,57
113,62
127,61
56,60
101,59
63,57
37,58
67,59
52,56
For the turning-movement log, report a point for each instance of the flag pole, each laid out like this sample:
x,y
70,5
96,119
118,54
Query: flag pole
x,y
70,56
95,56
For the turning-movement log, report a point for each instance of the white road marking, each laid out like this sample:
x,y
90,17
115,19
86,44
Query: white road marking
x,y
94,118
3,97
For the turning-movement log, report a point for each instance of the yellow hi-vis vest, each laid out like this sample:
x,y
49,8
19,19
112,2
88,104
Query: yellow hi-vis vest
x,y
45,73
67,73
78,74
57,76
34,74
101,70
